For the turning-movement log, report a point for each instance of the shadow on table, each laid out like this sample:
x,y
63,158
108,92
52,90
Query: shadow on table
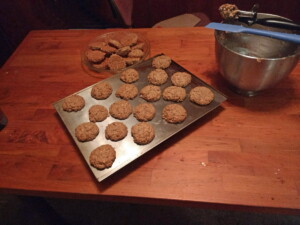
x,y
272,99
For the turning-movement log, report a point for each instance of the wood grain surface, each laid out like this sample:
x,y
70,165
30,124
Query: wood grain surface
x,y
245,153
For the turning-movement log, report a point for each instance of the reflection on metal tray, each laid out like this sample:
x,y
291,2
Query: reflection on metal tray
x,y
126,149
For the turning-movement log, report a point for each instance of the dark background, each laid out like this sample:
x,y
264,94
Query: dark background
x,y
18,17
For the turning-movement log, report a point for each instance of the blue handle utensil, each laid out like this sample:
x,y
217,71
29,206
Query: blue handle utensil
x,y
240,29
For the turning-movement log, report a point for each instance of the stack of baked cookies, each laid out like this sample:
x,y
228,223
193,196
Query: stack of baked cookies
x,y
143,131
115,52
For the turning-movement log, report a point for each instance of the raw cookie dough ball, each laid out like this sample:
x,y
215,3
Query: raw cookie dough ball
x,y
142,133
181,79
97,113
144,112
116,131
174,113
150,93
174,93
73,103
127,91
129,76
201,95
157,77
120,109
86,131
103,157
101,90
161,62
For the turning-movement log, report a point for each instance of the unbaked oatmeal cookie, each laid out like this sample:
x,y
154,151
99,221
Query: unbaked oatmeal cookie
x,y
174,113
87,131
144,112
73,103
143,133
201,95
116,131
157,77
150,93
161,62
181,79
102,157
129,76
97,113
174,93
127,91
101,90
120,109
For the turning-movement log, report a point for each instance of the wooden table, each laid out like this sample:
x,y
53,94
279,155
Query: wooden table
x,y
244,154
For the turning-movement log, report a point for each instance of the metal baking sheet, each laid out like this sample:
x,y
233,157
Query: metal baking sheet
x,y
126,149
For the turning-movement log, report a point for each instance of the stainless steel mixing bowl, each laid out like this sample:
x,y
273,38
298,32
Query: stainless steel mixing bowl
x,y
252,63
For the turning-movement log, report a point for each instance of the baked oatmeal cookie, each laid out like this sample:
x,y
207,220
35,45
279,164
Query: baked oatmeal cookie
x,y
96,45
181,79
131,60
116,131
123,51
143,133
201,95
139,46
97,113
94,56
102,46
86,131
114,43
120,109
116,62
103,65
101,90
129,39
102,157
136,53
144,112
174,113
174,93
150,93
161,62
73,103
129,76
157,77
127,91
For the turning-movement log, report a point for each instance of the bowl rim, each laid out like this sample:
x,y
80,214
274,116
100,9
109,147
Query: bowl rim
x,y
217,40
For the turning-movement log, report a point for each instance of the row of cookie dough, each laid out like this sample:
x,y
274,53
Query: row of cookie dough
x,y
142,112
157,77
200,95
122,109
142,132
